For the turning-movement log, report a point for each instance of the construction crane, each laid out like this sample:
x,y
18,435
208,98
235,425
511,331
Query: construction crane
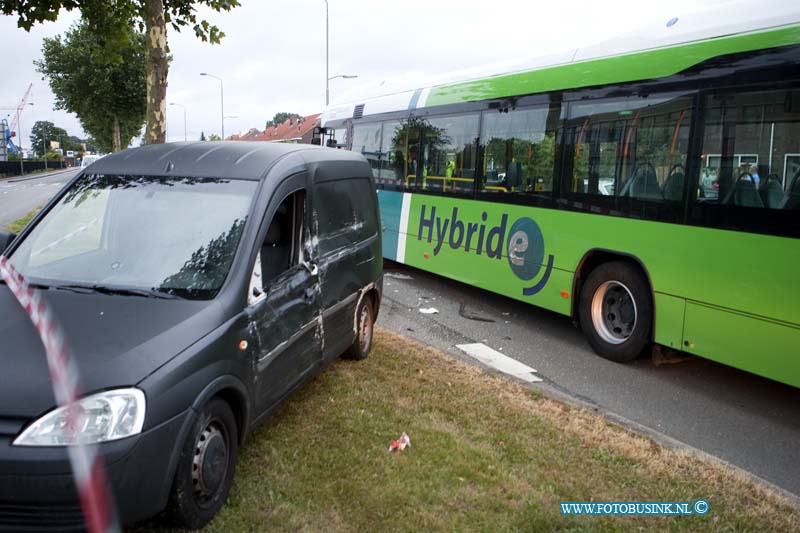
x,y
10,131
20,106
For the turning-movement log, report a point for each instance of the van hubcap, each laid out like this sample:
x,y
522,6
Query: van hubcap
x,y
365,331
613,312
210,463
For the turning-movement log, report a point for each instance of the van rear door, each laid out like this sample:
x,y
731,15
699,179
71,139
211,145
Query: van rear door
x,y
347,225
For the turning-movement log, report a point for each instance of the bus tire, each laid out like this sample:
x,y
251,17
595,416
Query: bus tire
x,y
615,311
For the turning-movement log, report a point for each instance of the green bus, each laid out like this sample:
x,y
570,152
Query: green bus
x,y
651,194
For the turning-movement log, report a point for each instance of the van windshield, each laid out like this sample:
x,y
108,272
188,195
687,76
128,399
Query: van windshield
x,y
159,235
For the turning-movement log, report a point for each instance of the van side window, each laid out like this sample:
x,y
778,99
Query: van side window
x,y
346,213
282,247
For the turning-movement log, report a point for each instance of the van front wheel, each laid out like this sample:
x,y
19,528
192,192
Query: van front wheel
x,y
205,467
365,322
615,312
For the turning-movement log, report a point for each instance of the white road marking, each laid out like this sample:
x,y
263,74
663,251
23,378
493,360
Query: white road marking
x,y
429,311
499,361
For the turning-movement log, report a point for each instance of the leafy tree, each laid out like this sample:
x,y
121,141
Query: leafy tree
x,y
214,137
108,97
110,21
77,144
280,118
202,136
42,132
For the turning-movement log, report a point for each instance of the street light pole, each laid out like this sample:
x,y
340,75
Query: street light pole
x,y
184,119
328,76
21,164
327,59
221,100
344,77
44,145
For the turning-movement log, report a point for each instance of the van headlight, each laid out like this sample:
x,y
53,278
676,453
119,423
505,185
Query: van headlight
x,y
101,417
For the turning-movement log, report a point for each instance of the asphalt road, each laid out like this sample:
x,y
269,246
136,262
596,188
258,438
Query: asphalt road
x,y
751,422
18,196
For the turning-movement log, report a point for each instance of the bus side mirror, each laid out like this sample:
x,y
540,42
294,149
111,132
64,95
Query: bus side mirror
x,y
6,239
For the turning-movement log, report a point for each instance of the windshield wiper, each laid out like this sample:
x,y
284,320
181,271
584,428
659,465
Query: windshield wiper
x,y
101,289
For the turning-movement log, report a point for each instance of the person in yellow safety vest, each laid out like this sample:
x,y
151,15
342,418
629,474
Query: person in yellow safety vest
x,y
450,170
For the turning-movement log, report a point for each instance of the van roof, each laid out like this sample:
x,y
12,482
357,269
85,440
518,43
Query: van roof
x,y
221,159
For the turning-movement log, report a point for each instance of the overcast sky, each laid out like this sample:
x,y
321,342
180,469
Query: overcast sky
x,y
273,56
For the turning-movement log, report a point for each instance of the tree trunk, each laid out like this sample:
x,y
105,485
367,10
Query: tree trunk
x,y
157,69
115,140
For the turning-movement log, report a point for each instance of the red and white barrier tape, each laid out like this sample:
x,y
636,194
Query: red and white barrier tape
x,y
87,468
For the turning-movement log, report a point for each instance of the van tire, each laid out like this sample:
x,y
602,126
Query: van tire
x,y
194,500
615,311
365,323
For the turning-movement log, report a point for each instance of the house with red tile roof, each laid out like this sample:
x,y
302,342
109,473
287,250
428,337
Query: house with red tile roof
x,y
292,130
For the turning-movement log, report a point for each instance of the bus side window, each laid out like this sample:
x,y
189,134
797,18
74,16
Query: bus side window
x,y
367,142
449,156
400,142
750,155
632,147
518,151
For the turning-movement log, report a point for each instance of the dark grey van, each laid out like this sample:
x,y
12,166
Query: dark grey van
x,y
198,285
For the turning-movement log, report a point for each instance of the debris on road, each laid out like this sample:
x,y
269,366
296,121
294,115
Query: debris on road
x,y
400,444
429,311
397,275
462,310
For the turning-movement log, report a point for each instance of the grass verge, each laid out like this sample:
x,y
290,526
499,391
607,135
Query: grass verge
x,y
20,223
486,454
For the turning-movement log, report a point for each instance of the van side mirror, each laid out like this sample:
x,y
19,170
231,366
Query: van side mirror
x,y
6,239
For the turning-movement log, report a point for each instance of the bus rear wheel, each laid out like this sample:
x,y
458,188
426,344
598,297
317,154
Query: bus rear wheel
x,y
615,312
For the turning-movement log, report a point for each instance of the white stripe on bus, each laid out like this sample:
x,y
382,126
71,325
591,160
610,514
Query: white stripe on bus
x,y
403,228
423,98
